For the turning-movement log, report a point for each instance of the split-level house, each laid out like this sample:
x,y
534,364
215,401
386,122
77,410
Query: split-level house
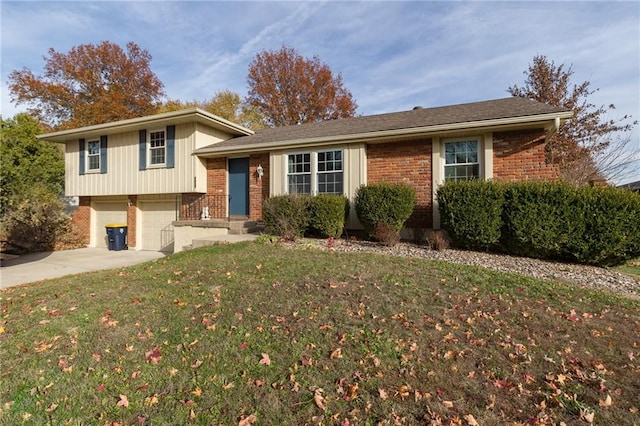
x,y
175,176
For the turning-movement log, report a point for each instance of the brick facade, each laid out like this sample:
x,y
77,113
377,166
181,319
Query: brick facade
x,y
132,220
81,219
408,162
258,187
520,156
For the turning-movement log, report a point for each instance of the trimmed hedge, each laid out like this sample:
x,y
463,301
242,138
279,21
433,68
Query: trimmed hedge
x,y
291,216
384,203
591,225
471,211
328,214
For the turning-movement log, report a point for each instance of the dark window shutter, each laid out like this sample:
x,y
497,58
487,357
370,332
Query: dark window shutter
x,y
143,150
103,154
81,164
171,147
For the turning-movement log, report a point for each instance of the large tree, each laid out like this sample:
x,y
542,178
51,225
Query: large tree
x,y
26,161
583,145
90,84
225,104
287,89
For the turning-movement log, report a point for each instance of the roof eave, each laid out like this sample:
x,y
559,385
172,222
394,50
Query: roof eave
x,y
547,121
172,117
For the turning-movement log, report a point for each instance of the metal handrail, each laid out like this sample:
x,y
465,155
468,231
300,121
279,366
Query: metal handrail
x,y
201,206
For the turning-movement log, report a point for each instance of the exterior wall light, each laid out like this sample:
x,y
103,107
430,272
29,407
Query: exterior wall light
x,y
260,171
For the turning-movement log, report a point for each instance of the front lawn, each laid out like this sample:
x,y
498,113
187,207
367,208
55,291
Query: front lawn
x,y
264,335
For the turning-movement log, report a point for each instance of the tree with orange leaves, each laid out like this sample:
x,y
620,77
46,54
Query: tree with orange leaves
x,y
91,84
287,89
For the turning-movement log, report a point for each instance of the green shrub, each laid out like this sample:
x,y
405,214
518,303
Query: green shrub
x,y
471,211
328,214
539,219
388,203
598,226
286,215
610,226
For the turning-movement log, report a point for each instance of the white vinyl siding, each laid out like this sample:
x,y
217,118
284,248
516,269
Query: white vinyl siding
x,y
124,177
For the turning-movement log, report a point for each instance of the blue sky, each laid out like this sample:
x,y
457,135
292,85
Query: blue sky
x,y
392,55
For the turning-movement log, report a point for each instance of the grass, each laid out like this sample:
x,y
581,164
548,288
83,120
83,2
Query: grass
x,y
260,334
631,267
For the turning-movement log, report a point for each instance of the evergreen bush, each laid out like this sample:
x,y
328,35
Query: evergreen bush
x,y
384,203
471,211
328,214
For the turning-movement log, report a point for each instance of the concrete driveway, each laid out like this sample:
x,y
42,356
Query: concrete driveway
x,y
41,266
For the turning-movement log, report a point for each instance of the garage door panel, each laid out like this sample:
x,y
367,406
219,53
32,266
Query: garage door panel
x,y
157,228
107,213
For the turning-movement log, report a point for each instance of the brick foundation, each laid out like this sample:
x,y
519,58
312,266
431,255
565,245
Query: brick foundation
x,y
407,162
132,220
81,219
520,156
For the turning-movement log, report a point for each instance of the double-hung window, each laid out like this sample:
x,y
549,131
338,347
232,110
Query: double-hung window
x,y
316,172
157,153
299,173
461,160
93,156
330,172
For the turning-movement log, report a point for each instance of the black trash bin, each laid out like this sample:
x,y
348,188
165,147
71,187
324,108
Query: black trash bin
x,y
116,236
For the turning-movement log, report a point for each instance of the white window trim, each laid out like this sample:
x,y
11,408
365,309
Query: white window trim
x,y
314,167
151,165
87,156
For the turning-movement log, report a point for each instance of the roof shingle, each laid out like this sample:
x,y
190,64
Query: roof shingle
x,y
420,117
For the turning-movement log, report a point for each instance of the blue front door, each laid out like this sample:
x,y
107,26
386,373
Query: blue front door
x,y
238,187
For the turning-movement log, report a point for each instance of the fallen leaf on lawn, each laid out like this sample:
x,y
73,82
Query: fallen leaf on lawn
x,y
336,353
383,394
135,374
52,407
605,402
471,421
192,414
153,356
196,364
248,420
228,386
318,398
150,401
265,359
101,387
187,403
447,404
123,402
243,345
587,416
197,392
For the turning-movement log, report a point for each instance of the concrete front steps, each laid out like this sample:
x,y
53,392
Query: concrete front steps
x,y
200,233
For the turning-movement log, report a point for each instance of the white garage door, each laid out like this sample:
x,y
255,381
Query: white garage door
x,y
107,212
157,231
